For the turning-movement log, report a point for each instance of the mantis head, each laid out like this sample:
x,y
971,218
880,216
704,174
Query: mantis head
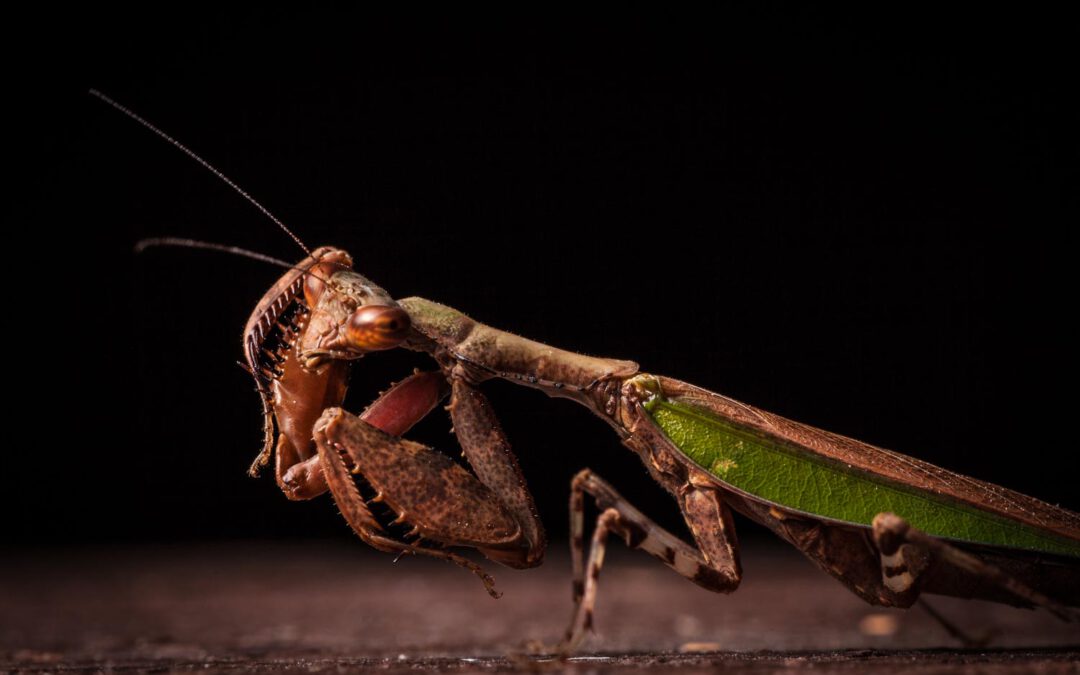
x,y
350,315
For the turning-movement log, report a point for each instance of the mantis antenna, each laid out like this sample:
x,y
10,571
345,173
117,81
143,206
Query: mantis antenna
x,y
209,167
181,242
144,244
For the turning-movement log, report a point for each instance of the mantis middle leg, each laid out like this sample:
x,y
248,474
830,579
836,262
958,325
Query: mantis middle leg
x,y
713,565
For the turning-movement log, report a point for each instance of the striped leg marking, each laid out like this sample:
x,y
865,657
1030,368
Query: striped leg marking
x,y
892,534
714,567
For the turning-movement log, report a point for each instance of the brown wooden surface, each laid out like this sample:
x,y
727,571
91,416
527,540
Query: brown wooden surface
x,y
332,606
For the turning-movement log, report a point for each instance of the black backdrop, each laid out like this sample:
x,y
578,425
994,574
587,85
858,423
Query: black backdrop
x,y
855,220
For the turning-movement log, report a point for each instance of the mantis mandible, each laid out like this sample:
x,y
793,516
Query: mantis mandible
x,y
888,526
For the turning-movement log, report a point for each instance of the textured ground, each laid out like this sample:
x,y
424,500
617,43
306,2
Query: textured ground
x,y
334,606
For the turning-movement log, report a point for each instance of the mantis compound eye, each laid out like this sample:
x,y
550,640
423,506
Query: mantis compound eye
x,y
375,327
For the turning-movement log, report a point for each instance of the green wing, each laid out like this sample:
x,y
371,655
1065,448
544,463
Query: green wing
x,y
797,478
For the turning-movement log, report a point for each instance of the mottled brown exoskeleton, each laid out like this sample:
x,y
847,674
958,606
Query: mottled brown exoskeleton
x,y
979,541
888,562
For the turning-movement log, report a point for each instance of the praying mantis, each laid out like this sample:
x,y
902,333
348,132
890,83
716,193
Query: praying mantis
x,y
888,526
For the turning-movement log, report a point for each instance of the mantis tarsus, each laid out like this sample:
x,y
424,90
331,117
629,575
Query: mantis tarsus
x,y
888,526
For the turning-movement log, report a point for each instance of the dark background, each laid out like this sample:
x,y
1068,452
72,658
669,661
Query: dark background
x,y
853,219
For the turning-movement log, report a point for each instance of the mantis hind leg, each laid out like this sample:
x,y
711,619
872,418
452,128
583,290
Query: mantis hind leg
x,y
714,565
897,540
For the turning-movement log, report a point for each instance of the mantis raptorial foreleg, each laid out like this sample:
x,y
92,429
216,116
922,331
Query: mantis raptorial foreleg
x,y
336,433
488,452
714,565
395,412
442,502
